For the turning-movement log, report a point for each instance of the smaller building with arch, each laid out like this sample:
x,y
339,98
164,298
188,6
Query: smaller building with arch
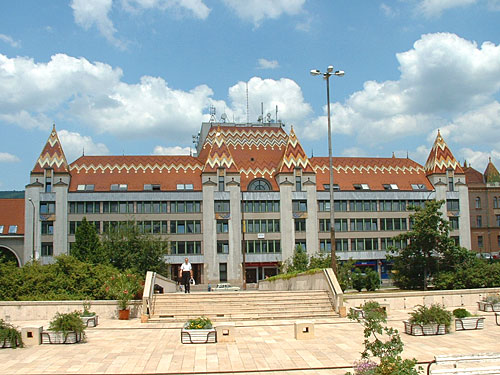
x,y
12,230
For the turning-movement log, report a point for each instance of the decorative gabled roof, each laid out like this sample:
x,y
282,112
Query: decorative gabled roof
x,y
219,156
294,156
441,158
491,173
52,156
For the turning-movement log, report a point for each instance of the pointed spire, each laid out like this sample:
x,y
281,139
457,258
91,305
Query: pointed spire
x,y
294,156
219,155
393,155
441,158
52,155
491,173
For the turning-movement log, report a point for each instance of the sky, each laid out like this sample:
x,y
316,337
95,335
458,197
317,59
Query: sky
x,y
138,77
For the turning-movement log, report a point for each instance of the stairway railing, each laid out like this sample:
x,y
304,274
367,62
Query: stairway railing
x,y
155,279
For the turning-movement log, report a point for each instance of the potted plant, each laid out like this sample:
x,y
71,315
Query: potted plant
x,y
64,329
433,320
10,337
123,287
198,331
89,318
490,303
464,320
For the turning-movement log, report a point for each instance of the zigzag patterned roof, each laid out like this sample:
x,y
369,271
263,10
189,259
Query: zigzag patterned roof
x,y
52,156
491,173
441,158
219,156
294,156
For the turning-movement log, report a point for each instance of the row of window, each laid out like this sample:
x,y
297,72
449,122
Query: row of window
x,y
496,202
154,207
480,241
360,244
147,226
479,221
12,229
370,205
359,225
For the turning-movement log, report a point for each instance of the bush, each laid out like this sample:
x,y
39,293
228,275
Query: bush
x,y
10,334
372,281
436,314
461,313
199,323
66,323
478,274
358,280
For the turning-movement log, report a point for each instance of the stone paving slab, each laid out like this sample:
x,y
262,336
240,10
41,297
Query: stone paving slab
x,y
129,347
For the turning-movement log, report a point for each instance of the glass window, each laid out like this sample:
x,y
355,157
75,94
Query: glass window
x,y
12,229
362,205
478,202
325,246
298,183
222,206
47,249
48,208
450,184
363,225
222,272
47,227
300,225
498,220
222,226
259,184
480,242
299,206
479,221
495,202
221,183
341,244
222,247
454,223
452,205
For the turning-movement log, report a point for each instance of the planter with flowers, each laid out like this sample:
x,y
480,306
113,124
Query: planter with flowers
x,y
123,287
10,337
198,331
89,318
464,320
490,303
64,329
425,321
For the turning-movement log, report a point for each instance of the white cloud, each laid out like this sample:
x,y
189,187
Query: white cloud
x,y
479,159
7,39
5,157
175,150
387,10
434,8
90,13
268,64
195,7
354,151
442,76
256,11
94,95
74,145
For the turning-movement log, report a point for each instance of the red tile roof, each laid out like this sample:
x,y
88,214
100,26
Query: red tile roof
x,y
52,156
220,156
12,213
375,172
473,177
441,158
294,156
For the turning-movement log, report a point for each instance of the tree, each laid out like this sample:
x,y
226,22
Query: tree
x,y
128,248
300,261
429,248
87,246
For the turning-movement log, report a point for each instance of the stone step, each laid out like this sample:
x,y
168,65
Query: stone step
x,y
236,317
222,309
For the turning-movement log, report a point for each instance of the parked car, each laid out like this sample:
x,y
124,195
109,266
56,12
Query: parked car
x,y
226,287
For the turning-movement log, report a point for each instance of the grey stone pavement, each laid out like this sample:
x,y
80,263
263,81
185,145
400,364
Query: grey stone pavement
x,y
260,347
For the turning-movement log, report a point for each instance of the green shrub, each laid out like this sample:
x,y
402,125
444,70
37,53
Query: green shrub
x,y
358,280
372,281
66,323
461,313
9,333
436,314
492,298
199,323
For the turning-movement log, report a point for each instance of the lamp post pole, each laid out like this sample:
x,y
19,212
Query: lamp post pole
x,y
339,73
33,232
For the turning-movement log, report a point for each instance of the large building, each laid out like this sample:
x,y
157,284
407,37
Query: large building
x,y
250,187
484,199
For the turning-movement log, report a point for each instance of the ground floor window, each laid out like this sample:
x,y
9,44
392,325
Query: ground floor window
x,y
223,272
47,249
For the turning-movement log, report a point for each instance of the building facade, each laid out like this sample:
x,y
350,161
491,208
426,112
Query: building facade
x,y
251,188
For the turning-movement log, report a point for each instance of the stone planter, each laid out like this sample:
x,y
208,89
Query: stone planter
x,y
55,337
424,329
90,321
198,336
488,307
6,344
472,322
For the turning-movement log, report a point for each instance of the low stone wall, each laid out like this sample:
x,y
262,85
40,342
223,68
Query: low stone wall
x,y
45,310
409,300
314,281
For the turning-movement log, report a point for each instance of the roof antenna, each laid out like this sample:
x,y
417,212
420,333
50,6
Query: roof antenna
x,y
312,152
407,156
212,114
83,151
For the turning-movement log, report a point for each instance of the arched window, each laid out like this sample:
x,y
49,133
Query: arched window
x,y
259,184
478,202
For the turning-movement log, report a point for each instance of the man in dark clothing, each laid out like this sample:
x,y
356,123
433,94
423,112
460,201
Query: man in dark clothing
x,y
186,273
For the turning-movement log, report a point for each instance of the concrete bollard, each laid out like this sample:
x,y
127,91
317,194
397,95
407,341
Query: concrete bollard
x,y
304,330
32,335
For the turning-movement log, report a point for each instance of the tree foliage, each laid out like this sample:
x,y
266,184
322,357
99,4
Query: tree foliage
x,y
129,249
429,248
87,246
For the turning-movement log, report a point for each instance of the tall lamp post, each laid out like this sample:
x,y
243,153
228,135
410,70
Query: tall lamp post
x,y
33,232
339,73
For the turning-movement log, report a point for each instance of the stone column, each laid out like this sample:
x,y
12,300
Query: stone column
x,y
312,239
209,230
286,218
464,218
235,257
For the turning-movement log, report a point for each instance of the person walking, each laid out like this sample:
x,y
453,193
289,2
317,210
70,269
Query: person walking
x,y
186,273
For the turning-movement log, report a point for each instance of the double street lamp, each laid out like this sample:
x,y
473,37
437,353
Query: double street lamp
x,y
339,73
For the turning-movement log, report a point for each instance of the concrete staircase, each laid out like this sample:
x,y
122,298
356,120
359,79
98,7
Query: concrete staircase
x,y
247,305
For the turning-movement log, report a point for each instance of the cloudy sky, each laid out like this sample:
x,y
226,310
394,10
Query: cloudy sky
x,y
139,76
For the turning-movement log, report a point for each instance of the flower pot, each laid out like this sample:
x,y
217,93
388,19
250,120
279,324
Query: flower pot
x,y
198,336
124,314
488,306
472,322
90,321
56,337
424,329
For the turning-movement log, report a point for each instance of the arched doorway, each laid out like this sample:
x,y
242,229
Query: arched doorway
x,y
8,255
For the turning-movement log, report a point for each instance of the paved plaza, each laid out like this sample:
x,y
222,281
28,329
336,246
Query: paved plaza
x,y
260,347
